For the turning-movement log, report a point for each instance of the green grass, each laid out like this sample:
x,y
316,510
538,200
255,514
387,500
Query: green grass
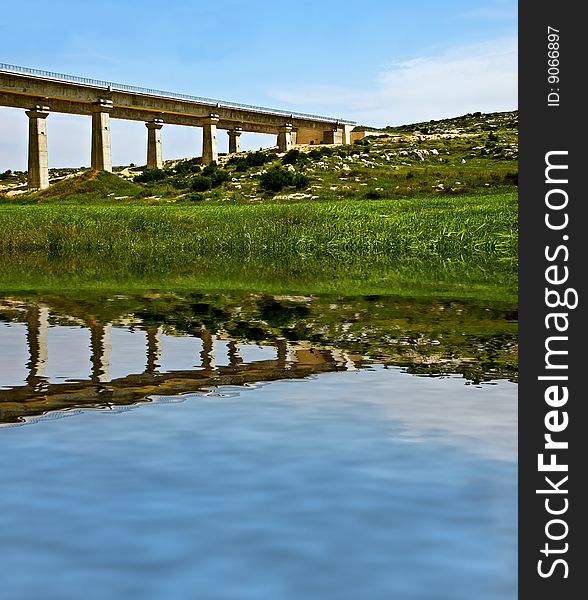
x,y
484,280
428,209
461,246
90,187
447,228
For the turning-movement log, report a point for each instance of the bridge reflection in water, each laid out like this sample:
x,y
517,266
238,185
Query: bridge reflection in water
x,y
218,360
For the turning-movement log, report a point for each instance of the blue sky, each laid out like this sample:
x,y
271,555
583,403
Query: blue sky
x,y
379,62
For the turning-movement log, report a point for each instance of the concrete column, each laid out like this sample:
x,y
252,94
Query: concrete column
x,y
284,138
209,148
38,173
234,134
154,153
101,151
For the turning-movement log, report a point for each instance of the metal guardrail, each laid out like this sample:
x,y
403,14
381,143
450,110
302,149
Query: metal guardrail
x,y
109,86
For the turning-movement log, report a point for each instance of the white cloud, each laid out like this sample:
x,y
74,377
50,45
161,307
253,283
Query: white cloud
x,y
480,77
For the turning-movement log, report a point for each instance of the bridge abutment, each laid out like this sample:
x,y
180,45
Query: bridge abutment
x,y
209,146
154,149
101,149
38,166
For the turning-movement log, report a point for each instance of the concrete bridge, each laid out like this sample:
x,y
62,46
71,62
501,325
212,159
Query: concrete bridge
x,y
42,92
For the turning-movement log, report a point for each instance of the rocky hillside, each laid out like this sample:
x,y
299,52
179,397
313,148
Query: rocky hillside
x,y
474,153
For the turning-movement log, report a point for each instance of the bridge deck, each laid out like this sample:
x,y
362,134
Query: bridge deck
x,y
21,87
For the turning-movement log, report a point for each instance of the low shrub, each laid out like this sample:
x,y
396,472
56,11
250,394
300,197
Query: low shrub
x,y
239,162
150,175
210,169
201,183
253,159
187,166
210,176
291,157
277,178
300,181
258,159
219,177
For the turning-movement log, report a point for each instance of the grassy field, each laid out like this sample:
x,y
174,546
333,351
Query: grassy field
x,y
463,246
429,210
445,227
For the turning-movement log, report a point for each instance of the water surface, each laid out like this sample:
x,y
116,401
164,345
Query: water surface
x,y
313,448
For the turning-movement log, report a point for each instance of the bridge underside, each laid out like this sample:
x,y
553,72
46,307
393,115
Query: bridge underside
x,y
40,96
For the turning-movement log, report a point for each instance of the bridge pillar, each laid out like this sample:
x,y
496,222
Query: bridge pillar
x,y
284,138
209,148
101,151
234,134
154,153
38,173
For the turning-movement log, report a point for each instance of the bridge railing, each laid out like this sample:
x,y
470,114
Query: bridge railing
x,y
110,86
